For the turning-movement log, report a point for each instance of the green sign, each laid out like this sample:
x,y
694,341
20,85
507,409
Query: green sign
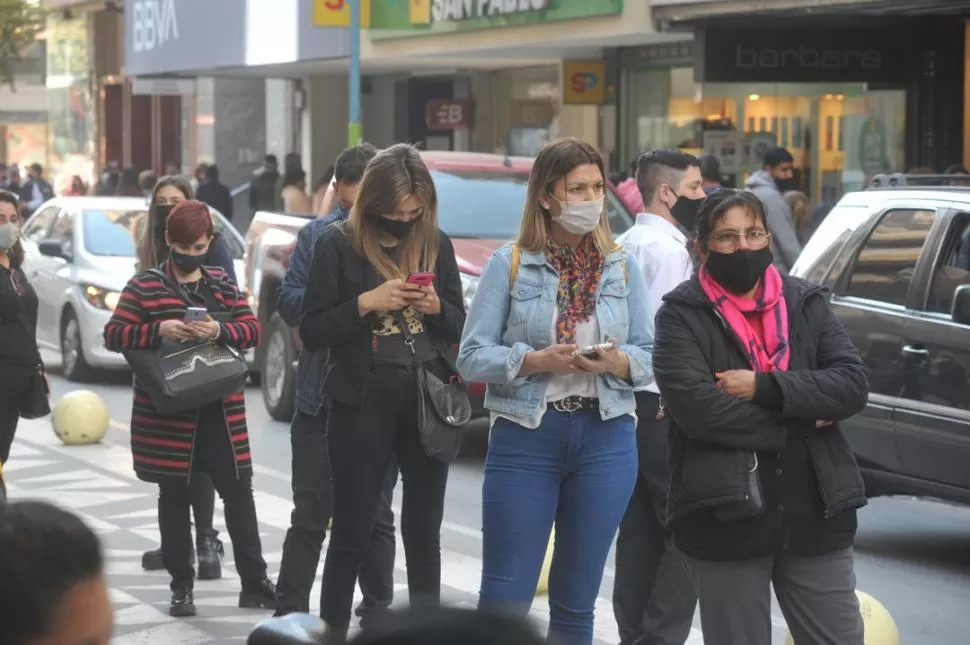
x,y
409,18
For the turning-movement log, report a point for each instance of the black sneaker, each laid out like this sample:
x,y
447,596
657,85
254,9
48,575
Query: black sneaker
x,y
183,603
152,560
258,596
211,554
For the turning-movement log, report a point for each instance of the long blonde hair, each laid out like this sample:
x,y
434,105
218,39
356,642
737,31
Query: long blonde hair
x,y
556,160
392,176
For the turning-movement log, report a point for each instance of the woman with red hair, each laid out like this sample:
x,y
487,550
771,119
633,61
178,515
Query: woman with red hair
x,y
168,448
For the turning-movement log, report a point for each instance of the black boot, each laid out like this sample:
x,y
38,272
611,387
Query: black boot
x,y
152,560
260,595
210,556
183,602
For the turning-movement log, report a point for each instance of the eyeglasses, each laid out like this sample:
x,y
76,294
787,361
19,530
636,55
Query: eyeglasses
x,y
756,239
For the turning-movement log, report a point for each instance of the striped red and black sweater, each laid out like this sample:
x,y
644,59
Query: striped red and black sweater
x,y
162,444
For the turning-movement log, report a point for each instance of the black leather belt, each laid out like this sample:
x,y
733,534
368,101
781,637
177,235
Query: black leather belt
x,y
575,404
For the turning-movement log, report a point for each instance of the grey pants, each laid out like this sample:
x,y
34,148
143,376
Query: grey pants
x,y
816,595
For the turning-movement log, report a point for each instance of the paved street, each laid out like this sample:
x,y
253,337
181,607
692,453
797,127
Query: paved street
x,y
912,555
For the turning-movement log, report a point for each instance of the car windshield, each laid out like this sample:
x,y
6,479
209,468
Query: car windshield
x,y
111,232
115,232
480,204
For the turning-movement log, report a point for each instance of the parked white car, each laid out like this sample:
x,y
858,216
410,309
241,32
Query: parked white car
x,y
79,254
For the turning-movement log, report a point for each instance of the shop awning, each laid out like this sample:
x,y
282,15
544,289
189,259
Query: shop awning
x,y
672,13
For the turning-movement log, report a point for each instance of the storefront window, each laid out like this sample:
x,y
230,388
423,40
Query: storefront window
x,y
528,107
71,106
839,133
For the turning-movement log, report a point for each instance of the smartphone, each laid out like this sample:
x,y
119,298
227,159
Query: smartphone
x,y
590,350
195,314
421,279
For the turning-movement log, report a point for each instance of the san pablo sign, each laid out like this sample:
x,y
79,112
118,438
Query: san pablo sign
x,y
458,10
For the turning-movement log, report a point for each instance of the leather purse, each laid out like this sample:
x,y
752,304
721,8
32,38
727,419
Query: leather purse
x,y
443,406
754,501
36,402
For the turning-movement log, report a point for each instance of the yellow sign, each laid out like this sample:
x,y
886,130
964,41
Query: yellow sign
x,y
420,12
336,13
584,82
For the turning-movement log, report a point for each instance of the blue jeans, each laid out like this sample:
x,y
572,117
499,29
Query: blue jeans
x,y
575,470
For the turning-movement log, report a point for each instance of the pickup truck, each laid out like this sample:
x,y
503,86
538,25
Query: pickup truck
x,y
480,201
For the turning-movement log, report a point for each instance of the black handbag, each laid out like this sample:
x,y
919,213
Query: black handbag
x,y
754,501
183,376
443,406
36,402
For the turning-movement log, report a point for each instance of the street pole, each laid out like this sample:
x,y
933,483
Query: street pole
x,y
354,128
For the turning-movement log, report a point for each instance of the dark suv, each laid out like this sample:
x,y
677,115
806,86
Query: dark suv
x,y
897,260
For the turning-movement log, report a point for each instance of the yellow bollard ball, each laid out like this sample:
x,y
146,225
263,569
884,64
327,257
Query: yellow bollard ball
x,y
880,626
80,418
543,587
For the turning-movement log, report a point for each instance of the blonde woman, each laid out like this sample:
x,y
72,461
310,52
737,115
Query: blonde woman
x,y
801,215
560,329
357,289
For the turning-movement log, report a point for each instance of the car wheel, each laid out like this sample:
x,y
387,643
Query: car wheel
x,y
276,373
74,366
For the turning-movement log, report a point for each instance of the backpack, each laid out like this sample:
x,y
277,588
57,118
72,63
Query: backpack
x,y
516,253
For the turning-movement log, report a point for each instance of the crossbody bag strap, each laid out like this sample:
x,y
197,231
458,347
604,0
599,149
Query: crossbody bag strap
x,y
402,323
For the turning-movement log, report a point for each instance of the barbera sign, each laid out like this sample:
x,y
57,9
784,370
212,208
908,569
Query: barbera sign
x,y
802,57
453,10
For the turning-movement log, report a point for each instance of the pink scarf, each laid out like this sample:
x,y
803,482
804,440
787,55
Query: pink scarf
x,y
772,353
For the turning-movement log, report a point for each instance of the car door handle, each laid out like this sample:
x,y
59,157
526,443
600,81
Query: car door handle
x,y
916,352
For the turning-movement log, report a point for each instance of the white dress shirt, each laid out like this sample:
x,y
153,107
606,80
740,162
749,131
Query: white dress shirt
x,y
660,249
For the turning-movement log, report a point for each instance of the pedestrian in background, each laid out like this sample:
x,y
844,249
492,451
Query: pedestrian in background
x,y
310,472
36,190
801,215
769,184
653,595
19,355
198,176
756,373
128,185
76,187
562,446
379,330
629,192
170,449
54,589
321,205
710,173
215,193
153,252
147,181
263,188
295,201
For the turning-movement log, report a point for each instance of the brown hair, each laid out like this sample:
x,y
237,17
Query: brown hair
x,y
152,248
15,254
800,213
392,176
189,221
556,160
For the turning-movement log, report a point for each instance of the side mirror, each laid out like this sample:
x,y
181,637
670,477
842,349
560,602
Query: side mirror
x,y
960,310
53,249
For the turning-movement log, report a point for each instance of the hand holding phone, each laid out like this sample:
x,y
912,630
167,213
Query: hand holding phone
x,y
421,279
195,314
590,350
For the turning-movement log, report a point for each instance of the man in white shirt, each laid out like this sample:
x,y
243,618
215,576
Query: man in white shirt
x,y
653,596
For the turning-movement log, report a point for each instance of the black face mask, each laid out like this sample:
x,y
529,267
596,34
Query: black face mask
x,y
398,229
784,185
187,263
162,211
685,212
740,271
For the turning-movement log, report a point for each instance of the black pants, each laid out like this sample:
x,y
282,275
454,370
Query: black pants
x,y
14,385
363,441
312,510
202,498
653,593
213,455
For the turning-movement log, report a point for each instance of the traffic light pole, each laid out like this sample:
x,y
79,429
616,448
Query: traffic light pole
x,y
354,128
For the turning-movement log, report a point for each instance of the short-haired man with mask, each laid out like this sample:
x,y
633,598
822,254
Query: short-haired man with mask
x,y
653,596
770,186
312,493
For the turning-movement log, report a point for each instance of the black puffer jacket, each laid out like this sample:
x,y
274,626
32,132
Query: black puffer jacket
x,y
810,478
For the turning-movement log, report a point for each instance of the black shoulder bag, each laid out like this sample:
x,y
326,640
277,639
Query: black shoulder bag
x,y
183,376
443,406
36,402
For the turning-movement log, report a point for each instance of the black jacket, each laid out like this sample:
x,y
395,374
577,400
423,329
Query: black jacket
x,y
262,192
216,195
810,478
338,275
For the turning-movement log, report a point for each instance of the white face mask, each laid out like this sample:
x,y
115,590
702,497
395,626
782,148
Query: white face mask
x,y
9,234
580,218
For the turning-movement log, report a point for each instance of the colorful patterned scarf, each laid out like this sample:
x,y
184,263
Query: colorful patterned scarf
x,y
772,352
579,278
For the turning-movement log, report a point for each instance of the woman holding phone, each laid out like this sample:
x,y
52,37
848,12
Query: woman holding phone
x,y
387,263
561,331
172,449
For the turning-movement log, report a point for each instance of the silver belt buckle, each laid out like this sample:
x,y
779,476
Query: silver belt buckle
x,y
568,404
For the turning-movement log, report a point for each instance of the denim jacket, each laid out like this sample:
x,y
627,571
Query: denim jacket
x,y
502,327
311,366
